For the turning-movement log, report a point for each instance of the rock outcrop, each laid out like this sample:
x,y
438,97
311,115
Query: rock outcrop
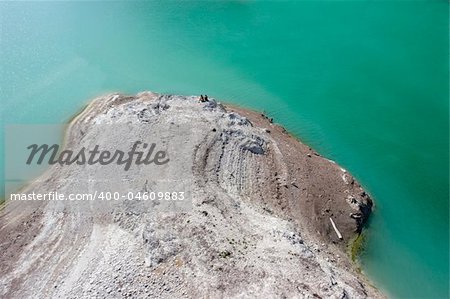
x,y
257,224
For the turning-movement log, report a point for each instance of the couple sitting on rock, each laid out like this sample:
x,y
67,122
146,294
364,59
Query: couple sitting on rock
x,y
204,98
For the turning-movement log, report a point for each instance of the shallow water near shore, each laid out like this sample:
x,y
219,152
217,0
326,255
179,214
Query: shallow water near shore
x,y
363,83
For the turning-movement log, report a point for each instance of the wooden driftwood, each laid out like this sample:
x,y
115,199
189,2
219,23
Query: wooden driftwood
x,y
338,233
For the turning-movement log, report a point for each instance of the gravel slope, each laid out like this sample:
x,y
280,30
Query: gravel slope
x,y
257,225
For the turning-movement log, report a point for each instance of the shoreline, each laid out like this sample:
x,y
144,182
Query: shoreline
x,y
293,159
355,245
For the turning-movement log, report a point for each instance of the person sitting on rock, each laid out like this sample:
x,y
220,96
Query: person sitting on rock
x,y
201,98
206,98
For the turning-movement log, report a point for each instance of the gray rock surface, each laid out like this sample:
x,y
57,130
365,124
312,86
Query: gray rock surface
x,y
257,224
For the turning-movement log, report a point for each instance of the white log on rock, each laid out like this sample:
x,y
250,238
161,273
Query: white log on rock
x,y
338,233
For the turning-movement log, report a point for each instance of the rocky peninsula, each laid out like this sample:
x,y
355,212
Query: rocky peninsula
x,y
267,216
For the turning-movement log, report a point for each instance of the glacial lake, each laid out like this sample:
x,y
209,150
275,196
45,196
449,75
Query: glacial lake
x,y
365,83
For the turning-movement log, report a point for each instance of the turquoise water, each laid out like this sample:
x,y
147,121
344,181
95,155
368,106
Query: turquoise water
x,y
365,83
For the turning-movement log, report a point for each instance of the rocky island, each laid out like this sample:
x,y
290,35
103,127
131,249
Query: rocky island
x,y
266,215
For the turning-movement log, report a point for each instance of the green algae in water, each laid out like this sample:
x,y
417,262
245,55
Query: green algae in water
x,y
357,247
